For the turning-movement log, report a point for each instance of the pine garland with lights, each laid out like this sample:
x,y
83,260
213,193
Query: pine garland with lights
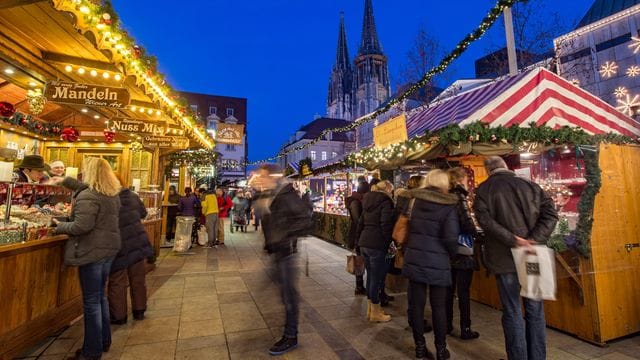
x,y
192,158
29,123
460,48
587,199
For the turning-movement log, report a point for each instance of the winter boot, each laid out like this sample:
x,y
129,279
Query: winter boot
x,y
377,314
442,353
468,334
283,345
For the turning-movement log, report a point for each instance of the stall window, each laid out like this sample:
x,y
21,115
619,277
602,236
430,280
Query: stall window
x,y
141,167
61,154
324,155
313,155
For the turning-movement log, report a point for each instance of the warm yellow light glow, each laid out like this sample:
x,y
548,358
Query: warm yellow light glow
x,y
105,75
141,110
93,73
150,111
68,68
96,116
84,110
118,77
84,9
133,108
81,71
158,112
32,84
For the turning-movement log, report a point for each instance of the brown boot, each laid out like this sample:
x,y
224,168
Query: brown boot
x,y
378,315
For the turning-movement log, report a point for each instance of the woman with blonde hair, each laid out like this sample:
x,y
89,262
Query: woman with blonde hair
x,y
432,240
374,237
94,240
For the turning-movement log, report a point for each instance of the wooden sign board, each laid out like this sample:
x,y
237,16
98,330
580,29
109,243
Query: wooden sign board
x,y
129,126
154,141
391,132
84,94
229,134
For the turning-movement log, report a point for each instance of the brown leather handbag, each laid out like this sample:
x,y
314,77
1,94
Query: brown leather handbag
x,y
401,228
355,264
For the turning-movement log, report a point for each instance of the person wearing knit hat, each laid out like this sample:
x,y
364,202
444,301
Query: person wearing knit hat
x,y
57,168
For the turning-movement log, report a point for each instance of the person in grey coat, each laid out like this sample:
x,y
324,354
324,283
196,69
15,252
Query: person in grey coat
x,y
94,240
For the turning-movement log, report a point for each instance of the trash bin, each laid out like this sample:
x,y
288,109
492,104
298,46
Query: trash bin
x,y
184,227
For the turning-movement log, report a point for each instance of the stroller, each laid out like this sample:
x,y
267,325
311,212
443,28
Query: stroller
x,y
239,220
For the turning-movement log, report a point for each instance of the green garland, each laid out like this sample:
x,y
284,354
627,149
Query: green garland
x,y
345,227
193,158
460,48
333,226
587,199
29,123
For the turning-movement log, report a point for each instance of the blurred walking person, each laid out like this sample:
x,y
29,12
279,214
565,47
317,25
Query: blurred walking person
x,y
354,206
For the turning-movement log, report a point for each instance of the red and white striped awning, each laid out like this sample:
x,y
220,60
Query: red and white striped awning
x,y
538,96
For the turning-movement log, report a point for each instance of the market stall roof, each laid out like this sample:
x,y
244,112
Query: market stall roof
x,y
76,41
537,96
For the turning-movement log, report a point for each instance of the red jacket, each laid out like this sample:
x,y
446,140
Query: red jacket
x,y
224,205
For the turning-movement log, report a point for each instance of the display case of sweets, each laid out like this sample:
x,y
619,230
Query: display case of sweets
x,y
152,199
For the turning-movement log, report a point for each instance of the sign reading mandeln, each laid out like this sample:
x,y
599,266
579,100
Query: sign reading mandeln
x,y
391,132
154,141
229,134
84,94
136,126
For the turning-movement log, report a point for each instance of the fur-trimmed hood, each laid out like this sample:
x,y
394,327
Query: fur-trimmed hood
x,y
403,192
434,195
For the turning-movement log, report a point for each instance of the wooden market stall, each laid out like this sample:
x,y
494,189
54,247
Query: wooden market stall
x,y
73,85
571,151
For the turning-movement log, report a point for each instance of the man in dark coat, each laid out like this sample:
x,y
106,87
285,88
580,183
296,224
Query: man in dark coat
x,y
289,219
129,264
514,212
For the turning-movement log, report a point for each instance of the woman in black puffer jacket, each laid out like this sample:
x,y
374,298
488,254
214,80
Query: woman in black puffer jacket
x,y
130,261
433,234
374,237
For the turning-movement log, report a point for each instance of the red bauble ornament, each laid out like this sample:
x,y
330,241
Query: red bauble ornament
x,y
38,126
7,109
106,19
494,138
23,121
471,138
556,140
69,134
109,135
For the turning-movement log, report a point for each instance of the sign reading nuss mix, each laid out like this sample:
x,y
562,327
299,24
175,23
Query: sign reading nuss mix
x,y
154,141
229,134
84,94
391,132
136,126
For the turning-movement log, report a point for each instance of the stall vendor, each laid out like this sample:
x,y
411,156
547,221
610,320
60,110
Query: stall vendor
x,y
57,168
32,169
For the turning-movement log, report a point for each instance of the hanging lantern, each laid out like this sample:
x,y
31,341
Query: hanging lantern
x,y
36,101
7,109
69,134
109,135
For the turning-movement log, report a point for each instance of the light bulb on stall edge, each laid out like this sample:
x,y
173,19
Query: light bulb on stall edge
x,y
68,68
93,73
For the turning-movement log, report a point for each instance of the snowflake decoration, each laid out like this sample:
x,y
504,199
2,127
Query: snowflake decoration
x,y
575,82
620,92
628,104
633,71
635,45
608,69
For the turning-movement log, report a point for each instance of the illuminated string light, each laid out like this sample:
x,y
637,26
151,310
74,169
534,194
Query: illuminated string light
x,y
633,71
608,69
628,104
635,44
620,92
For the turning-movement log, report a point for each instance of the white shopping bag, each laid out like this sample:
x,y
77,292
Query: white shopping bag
x,y
536,272
203,238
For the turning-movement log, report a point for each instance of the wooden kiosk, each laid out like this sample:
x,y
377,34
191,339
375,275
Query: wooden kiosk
x,y
74,84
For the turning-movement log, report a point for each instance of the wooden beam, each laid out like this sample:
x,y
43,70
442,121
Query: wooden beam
x,y
8,4
88,63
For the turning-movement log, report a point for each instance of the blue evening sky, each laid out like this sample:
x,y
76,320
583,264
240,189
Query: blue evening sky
x,y
278,53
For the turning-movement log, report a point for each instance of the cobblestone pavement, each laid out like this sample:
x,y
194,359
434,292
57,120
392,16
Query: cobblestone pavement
x,y
222,303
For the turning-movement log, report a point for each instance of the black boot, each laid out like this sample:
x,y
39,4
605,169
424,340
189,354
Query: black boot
x,y
442,353
138,314
468,334
119,321
427,328
283,345
360,290
449,329
421,347
384,295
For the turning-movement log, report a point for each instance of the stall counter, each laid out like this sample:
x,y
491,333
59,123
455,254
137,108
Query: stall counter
x,y
39,295
332,227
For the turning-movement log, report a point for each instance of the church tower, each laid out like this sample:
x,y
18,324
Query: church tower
x,y
340,99
371,76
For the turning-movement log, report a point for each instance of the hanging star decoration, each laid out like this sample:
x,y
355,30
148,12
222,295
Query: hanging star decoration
x,y
633,71
628,104
608,69
620,91
635,44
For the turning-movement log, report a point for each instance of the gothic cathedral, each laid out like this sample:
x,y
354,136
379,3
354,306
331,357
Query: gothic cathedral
x,y
358,89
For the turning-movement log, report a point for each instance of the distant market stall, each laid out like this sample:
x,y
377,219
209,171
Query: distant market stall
x,y
581,150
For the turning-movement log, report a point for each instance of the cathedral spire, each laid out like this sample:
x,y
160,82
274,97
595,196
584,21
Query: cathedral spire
x,y
369,43
342,55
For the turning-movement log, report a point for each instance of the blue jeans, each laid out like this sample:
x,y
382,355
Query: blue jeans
x,y
97,330
376,266
524,338
287,276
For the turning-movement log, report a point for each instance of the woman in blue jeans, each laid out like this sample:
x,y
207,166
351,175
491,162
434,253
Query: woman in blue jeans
x,y
374,237
94,240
